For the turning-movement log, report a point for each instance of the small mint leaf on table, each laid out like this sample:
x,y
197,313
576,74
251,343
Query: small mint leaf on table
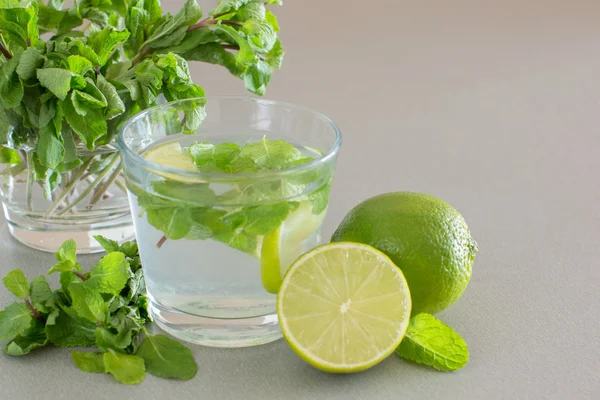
x,y
109,275
14,320
16,282
67,251
430,342
88,361
167,358
109,245
127,369
27,341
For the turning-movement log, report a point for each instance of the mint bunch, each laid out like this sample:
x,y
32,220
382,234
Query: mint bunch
x,y
430,342
173,207
105,308
103,62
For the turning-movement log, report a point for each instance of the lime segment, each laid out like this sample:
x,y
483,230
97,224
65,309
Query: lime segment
x,y
173,156
270,269
344,307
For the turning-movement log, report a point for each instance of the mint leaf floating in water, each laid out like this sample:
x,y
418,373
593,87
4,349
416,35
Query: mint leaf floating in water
x,y
430,342
167,357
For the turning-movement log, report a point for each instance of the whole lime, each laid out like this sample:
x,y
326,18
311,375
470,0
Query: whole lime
x,y
424,236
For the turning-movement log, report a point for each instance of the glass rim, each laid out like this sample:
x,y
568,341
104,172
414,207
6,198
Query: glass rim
x,y
212,176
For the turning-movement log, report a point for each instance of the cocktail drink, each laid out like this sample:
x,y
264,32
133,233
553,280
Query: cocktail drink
x,y
223,202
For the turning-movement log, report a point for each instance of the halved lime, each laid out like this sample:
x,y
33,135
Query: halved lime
x,y
343,307
172,155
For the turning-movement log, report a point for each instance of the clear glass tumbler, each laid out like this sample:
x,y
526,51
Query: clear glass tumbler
x,y
225,194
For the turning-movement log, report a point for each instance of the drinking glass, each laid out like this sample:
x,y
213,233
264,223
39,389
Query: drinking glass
x,y
216,236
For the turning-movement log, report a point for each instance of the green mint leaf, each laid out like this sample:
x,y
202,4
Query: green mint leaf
x,y
16,282
254,10
109,275
62,266
275,56
430,342
67,251
14,320
79,65
245,55
78,47
105,41
272,154
320,199
27,341
259,220
272,20
167,358
107,340
222,157
69,330
260,33
115,106
125,368
9,156
49,18
226,6
47,112
87,303
97,16
51,318
193,39
257,77
83,102
88,128
11,88
50,150
14,4
56,80
238,239
88,361
174,222
40,294
276,2
31,60
189,14
109,245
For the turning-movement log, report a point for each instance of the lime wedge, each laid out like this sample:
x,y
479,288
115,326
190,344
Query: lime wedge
x,y
173,156
343,307
270,269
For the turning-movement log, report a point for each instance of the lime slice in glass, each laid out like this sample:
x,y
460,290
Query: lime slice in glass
x,y
172,155
344,307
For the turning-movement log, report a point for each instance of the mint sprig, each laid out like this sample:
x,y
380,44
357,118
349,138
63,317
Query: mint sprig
x,y
99,63
104,309
430,342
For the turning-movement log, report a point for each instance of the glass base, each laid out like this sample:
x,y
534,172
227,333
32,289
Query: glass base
x,y
216,332
47,236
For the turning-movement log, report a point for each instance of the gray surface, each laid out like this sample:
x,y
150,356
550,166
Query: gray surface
x,y
493,108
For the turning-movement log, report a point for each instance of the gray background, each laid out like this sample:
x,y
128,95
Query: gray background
x,y
492,106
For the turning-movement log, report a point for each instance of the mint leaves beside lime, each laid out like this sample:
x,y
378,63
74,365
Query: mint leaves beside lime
x,y
104,309
430,342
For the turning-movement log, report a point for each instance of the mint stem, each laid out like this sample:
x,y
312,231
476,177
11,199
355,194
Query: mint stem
x,y
34,312
75,179
210,21
4,51
80,275
161,242
30,179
